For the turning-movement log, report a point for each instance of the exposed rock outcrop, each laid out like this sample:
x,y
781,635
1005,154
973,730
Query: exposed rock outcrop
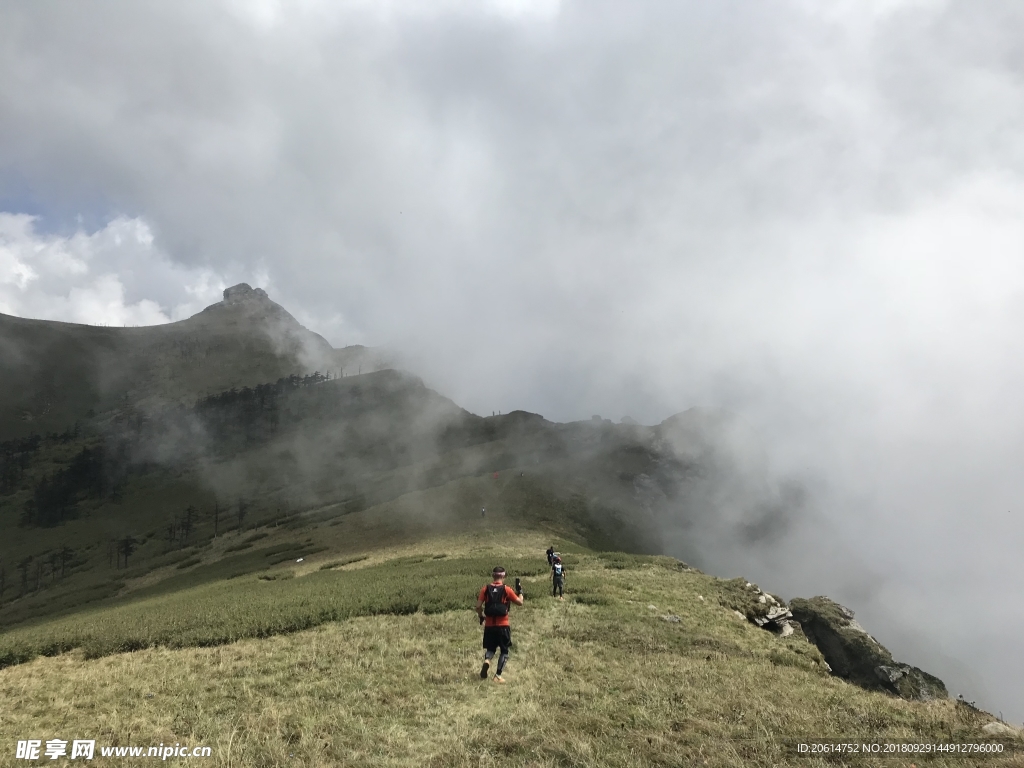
x,y
855,655
762,609
244,292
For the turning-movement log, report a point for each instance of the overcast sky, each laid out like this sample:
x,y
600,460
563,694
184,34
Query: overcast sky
x,y
810,213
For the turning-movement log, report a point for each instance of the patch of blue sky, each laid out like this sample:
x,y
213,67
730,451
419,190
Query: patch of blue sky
x,y
62,215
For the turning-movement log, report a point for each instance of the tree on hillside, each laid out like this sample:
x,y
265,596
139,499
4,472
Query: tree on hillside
x,y
187,523
55,497
28,514
11,472
65,553
23,566
54,562
243,509
126,547
15,458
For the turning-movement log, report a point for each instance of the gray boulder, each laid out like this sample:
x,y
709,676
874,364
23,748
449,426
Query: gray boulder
x,y
856,656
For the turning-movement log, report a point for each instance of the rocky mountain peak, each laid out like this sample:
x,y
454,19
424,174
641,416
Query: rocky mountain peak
x,y
243,292
243,300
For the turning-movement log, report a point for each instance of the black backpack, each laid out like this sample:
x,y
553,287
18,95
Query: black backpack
x,y
496,603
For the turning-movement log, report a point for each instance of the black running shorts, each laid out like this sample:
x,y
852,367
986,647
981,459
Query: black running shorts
x,y
495,637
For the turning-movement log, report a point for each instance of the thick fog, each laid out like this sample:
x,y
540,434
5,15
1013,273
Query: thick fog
x,y
808,213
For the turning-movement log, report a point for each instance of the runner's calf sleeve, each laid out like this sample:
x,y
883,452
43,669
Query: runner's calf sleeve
x,y
488,655
501,662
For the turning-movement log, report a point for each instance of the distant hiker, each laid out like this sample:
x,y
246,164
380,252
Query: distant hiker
x,y
492,607
551,555
557,577
483,511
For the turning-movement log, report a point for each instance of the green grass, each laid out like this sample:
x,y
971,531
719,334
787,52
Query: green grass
x,y
226,568
247,542
227,610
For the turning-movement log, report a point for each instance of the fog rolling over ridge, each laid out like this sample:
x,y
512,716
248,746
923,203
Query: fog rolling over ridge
x,y
805,216
201,394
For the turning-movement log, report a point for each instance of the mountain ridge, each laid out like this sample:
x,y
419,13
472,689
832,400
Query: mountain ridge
x,y
57,373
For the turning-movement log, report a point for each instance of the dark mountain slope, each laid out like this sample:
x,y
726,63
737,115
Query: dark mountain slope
x,y
54,374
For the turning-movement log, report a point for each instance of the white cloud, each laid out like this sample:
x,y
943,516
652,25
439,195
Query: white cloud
x,y
101,302
80,278
526,9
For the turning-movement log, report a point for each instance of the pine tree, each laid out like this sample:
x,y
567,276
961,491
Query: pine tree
x,y
127,547
23,566
65,553
186,524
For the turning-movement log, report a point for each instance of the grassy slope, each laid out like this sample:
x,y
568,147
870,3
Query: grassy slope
x,y
303,476
511,499
600,679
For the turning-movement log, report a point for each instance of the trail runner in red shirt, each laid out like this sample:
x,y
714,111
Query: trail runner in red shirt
x,y
492,606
